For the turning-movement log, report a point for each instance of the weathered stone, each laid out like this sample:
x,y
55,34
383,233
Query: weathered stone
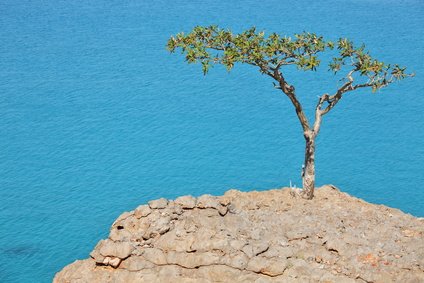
x,y
299,268
163,225
154,255
337,245
255,248
122,217
160,226
259,247
114,262
106,260
170,271
142,211
274,267
297,234
170,242
95,254
256,264
208,212
248,250
175,209
237,244
119,235
264,237
222,210
187,202
136,263
192,260
238,260
158,204
208,201
219,273
115,249
225,201
234,208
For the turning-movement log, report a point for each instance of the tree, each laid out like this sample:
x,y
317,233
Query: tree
x,y
274,52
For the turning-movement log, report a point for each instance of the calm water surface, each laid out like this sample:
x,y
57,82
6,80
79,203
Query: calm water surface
x,y
96,117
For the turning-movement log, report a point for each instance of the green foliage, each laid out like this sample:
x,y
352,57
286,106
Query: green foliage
x,y
249,47
213,45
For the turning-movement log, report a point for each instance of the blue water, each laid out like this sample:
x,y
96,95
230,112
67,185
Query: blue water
x,y
96,117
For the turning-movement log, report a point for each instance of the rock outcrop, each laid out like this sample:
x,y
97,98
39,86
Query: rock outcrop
x,y
268,236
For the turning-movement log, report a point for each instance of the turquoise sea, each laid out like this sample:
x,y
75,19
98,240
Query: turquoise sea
x,y
96,117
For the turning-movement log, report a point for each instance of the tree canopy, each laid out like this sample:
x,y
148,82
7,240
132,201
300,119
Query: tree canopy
x,y
272,52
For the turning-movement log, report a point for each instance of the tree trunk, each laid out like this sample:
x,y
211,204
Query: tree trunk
x,y
308,174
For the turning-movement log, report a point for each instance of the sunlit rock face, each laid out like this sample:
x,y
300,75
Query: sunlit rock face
x,y
269,236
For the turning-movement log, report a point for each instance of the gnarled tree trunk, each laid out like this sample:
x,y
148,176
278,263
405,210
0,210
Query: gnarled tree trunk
x,y
308,176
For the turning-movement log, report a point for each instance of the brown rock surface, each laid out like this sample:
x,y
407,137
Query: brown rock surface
x,y
268,236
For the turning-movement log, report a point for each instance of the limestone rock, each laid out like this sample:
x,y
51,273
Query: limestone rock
x,y
238,260
158,204
274,267
142,211
187,202
114,262
163,225
207,201
192,260
155,256
268,236
254,249
110,248
136,263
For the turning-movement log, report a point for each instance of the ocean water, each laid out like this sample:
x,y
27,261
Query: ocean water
x,y
96,117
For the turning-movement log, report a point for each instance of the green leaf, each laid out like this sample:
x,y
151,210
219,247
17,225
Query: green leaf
x,y
276,51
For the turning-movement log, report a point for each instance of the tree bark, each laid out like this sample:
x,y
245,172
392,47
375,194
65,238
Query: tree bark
x,y
308,174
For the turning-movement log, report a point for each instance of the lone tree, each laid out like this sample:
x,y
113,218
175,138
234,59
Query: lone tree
x,y
213,45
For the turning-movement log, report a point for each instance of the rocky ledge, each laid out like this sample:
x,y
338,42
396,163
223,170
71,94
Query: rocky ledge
x,y
269,236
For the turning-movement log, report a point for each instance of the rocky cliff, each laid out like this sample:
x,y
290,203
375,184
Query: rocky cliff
x,y
269,236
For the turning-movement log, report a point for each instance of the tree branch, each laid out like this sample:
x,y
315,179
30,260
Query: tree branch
x,y
349,86
271,53
333,99
289,90
318,113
